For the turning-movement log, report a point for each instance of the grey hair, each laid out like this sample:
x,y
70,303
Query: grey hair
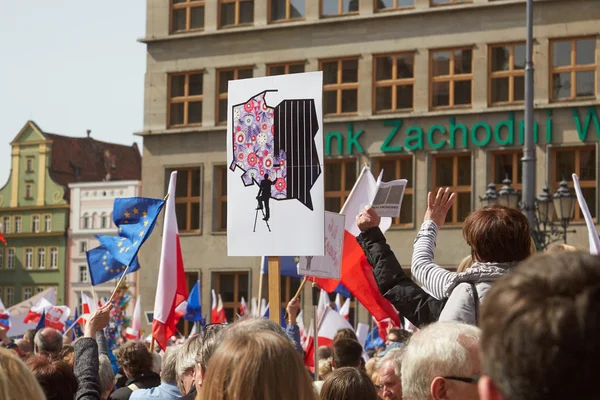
x,y
106,374
211,338
156,362
252,325
440,349
186,355
393,357
48,340
168,373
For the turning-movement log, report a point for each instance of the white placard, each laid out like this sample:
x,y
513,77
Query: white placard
x,y
388,198
329,265
275,200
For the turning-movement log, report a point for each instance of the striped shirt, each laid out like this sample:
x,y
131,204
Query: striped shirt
x,y
432,277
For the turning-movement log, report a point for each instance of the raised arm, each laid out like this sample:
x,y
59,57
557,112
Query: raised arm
x,y
433,277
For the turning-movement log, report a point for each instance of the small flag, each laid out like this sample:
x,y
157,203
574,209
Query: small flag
x,y
337,305
243,307
133,332
104,267
4,317
57,316
41,322
345,309
36,312
193,310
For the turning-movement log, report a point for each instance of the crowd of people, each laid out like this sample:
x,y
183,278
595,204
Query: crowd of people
x,y
507,325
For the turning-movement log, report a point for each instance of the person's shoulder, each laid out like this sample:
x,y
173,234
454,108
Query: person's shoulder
x,y
123,393
141,394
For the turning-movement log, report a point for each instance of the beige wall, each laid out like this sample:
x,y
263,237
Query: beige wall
x,y
478,24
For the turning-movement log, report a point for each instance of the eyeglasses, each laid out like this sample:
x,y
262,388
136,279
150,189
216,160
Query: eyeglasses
x,y
379,387
473,379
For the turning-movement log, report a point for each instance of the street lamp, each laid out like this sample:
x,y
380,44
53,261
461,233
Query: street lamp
x,y
491,196
564,205
507,196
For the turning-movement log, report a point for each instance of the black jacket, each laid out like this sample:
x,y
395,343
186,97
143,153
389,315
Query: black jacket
x,y
412,302
146,380
191,395
86,369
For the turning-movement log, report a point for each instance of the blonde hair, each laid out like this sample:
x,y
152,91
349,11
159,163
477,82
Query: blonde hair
x,y
560,248
324,368
257,366
465,264
16,380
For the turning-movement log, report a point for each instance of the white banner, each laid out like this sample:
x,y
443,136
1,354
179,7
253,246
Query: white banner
x,y
329,265
19,311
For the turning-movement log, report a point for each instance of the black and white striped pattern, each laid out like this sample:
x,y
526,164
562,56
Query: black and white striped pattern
x,y
433,277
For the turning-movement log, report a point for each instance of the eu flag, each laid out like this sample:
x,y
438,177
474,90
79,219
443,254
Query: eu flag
x,y
135,218
193,311
104,267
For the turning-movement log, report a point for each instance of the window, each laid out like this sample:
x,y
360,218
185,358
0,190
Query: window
x,y
580,161
28,190
573,68
285,68
384,5
29,164
393,80
221,198
340,176
10,296
289,287
185,98
41,258
451,78
27,293
6,225
29,258
235,12
83,274
232,286
507,73
507,164
53,257
187,15
39,289
286,10
18,224
35,224
83,246
86,221
223,78
187,199
454,171
399,168
338,7
104,221
10,258
47,223
448,2
340,86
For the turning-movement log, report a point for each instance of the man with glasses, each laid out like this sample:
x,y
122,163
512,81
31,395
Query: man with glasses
x,y
442,361
390,383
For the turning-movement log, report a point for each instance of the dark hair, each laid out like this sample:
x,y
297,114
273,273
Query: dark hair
x,y
323,353
401,334
135,358
345,333
498,234
54,376
67,354
540,328
348,384
347,353
29,335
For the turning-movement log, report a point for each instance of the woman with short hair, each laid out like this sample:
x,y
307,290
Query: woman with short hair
x,y
348,383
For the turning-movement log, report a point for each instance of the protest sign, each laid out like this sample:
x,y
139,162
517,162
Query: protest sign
x,y
329,265
388,198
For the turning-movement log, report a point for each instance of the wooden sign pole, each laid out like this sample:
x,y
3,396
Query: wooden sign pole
x,y
274,290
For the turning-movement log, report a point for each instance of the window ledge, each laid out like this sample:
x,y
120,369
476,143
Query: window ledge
x,y
405,228
199,233
217,233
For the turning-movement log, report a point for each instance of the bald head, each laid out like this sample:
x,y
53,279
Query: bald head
x,y
48,340
24,345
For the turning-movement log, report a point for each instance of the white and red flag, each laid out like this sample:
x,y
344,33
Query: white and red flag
x,y
171,289
330,324
134,330
217,314
243,307
35,312
57,316
345,309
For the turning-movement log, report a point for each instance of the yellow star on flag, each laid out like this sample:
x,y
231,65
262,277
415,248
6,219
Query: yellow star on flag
x,y
120,229
126,249
104,257
127,214
106,268
136,211
104,263
135,243
122,249
296,259
146,223
120,243
141,233
112,270
144,213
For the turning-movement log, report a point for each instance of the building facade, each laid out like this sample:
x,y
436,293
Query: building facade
x,y
91,215
427,90
34,205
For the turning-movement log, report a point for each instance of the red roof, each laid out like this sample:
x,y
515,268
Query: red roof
x,y
89,160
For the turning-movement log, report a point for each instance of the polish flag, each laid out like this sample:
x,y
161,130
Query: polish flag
x,y
35,313
338,303
243,307
217,315
357,274
171,289
4,316
332,322
324,304
264,308
57,316
87,304
345,309
300,324
133,331
254,307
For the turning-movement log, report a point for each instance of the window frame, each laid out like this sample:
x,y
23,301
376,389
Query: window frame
x,y
82,244
286,66
6,224
340,86
511,74
34,218
394,82
11,251
516,154
19,226
186,99
7,302
394,8
450,3
52,250
188,5
235,304
47,217
344,192
87,218
27,265
340,13
225,96
572,69
220,198
455,188
189,200
83,268
396,223
23,292
28,191
584,184
288,7
41,256
451,78
236,18
29,168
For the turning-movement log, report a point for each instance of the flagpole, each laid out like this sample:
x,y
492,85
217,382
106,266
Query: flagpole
x,y
260,282
71,327
198,330
354,187
118,284
315,301
152,345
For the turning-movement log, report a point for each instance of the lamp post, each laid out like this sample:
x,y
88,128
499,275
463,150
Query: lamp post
x,y
564,205
490,197
507,196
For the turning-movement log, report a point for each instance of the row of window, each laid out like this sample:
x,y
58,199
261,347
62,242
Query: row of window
x,y
33,258
452,170
189,15
94,221
573,77
7,293
8,227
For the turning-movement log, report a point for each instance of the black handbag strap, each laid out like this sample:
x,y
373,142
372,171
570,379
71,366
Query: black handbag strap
x,y
476,301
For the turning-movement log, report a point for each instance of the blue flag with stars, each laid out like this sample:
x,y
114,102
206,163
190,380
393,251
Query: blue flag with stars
x,y
104,267
135,218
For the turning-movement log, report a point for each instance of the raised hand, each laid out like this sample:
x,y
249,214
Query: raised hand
x,y
438,206
292,308
98,320
367,219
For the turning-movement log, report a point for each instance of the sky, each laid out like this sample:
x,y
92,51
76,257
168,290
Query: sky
x,y
71,65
